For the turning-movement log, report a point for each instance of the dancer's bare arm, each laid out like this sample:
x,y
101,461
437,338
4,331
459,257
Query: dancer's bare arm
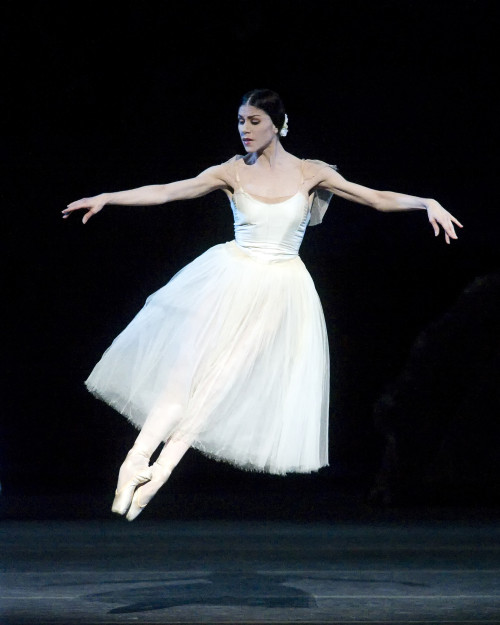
x,y
207,181
328,178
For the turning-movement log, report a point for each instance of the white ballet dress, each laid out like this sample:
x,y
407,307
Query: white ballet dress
x,y
236,342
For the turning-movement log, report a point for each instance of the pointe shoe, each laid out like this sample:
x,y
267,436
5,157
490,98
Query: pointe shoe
x,y
131,475
145,493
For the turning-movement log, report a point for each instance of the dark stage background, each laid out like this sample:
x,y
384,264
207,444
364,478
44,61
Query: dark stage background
x,y
399,94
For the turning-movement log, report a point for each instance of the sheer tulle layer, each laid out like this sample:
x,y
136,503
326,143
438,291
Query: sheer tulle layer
x,y
231,355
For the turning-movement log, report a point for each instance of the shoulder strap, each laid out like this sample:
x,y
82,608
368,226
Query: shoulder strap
x,y
237,169
301,172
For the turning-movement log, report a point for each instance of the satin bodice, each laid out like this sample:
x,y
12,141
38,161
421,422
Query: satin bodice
x,y
270,231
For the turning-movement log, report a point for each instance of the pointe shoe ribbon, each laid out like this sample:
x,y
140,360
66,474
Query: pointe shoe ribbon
x,y
144,494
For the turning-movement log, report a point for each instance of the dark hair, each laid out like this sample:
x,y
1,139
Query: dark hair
x,y
270,102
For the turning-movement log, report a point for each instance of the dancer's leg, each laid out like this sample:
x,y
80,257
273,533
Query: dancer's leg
x,y
168,459
160,423
135,470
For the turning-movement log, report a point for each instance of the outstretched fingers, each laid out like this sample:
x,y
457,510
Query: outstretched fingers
x,y
449,231
435,226
89,204
450,228
88,215
447,222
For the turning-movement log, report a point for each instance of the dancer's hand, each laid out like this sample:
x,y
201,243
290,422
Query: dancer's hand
x,y
91,204
438,216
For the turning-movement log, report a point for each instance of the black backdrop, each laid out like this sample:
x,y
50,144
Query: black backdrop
x,y
106,96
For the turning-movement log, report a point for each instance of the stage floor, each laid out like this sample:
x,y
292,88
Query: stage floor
x,y
168,571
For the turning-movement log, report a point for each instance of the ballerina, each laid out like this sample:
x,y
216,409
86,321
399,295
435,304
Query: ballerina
x,y
231,355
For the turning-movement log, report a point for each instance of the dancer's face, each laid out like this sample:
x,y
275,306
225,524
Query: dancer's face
x,y
256,128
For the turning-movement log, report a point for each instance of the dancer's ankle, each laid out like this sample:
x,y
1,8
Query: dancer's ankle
x,y
137,450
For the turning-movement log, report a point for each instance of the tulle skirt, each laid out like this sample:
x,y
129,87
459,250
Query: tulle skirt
x,y
231,356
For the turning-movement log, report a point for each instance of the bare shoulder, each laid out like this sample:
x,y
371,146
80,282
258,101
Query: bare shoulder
x,y
233,159
316,171
315,166
222,170
226,172
231,162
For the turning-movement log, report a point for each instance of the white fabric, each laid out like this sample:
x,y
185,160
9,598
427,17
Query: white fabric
x,y
231,355
321,198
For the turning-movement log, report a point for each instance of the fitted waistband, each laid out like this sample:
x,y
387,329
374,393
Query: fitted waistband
x,y
258,256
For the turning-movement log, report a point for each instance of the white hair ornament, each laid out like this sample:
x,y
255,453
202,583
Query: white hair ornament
x,y
284,129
